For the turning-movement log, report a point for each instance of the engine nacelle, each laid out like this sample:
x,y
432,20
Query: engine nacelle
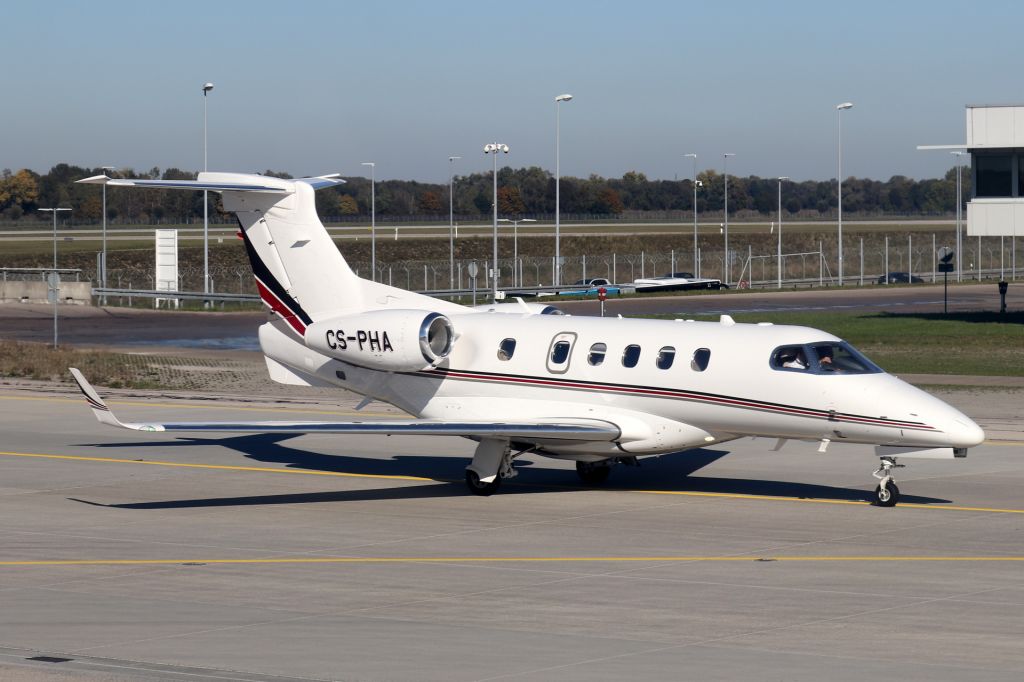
x,y
390,340
519,308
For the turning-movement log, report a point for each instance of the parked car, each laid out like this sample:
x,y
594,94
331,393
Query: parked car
x,y
589,287
900,278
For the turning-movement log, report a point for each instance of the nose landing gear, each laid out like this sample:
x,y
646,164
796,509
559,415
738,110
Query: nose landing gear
x,y
886,492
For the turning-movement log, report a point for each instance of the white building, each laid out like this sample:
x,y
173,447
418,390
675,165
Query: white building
x,y
995,141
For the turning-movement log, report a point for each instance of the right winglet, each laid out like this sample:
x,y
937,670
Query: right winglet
x,y
99,408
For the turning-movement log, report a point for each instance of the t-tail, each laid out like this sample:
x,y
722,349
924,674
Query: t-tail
x,y
300,273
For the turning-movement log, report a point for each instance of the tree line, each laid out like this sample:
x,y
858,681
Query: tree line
x,y
522,192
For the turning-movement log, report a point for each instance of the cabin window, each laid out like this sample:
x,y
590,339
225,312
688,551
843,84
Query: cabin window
x,y
560,352
596,355
507,349
790,357
665,357
701,358
631,356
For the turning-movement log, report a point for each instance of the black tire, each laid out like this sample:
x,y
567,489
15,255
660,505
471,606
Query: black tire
x,y
478,487
593,473
888,497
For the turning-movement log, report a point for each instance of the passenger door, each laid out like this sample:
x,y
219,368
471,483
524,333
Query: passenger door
x,y
560,352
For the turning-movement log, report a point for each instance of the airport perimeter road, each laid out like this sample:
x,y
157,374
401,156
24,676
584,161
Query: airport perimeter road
x,y
878,298
117,326
147,556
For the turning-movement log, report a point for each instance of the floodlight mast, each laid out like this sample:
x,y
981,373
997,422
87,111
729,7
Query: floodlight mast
x,y
494,148
451,220
840,108
728,263
694,210
781,178
103,265
959,208
558,190
56,294
515,246
207,88
373,218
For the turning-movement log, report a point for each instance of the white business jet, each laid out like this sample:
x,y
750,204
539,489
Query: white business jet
x,y
599,391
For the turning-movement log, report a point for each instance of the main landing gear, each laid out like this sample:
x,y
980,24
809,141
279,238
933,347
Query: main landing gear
x,y
492,462
886,492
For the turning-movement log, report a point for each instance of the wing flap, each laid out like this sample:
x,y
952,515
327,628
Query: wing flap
x,y
553,429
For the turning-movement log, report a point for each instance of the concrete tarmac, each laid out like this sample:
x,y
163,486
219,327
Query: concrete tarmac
x,y
127,556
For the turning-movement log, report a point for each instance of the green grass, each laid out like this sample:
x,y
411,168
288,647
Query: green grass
x,y
966,343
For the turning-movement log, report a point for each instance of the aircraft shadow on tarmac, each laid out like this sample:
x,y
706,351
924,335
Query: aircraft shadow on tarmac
x,y
665,473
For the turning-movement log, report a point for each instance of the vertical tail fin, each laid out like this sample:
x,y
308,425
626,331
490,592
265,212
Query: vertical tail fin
x,y
299,271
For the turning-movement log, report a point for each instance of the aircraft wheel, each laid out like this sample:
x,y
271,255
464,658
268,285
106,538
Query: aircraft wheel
x,y
888,495
593,473
478,487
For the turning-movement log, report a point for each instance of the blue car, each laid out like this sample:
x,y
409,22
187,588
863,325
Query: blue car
x,y
589,287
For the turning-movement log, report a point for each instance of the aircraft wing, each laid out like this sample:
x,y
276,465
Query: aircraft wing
x,y
567,429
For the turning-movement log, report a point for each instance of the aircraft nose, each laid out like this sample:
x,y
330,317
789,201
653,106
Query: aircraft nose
x,y
963,432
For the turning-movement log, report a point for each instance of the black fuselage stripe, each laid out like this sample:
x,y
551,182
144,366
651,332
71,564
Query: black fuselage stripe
x,y
263,273
669,393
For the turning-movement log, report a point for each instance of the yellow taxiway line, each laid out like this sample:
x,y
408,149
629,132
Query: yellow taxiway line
x,y
399,477
506,559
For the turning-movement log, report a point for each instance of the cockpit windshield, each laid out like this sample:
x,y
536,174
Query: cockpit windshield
x,y
829,357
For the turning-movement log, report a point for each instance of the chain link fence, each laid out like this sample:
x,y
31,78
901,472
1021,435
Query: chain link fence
x,y
866,260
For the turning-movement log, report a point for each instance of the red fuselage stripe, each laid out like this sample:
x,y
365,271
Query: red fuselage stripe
x,y
676,394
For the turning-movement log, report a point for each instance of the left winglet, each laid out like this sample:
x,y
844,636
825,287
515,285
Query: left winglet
x,y
99,408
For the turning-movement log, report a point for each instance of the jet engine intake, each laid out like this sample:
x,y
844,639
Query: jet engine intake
x,y
389,340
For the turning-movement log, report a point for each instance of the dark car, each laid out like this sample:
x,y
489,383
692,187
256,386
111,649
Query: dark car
x,y
900,278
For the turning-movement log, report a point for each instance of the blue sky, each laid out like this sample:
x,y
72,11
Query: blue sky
x,y
320,87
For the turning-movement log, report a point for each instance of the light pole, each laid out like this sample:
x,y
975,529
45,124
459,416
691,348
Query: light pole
x,y
103,265
207,87
515,244
558,191
373,218
493,148
53,281
840,108
451,220
959,203
694,211
725,170
781,178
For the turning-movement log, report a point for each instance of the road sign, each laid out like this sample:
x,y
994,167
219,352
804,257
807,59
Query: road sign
x,y
473,269
945,266
945,256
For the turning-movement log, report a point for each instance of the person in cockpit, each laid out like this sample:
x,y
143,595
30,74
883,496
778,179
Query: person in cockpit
x,y
794,359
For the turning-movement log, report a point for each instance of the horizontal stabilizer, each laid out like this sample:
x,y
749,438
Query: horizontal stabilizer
x,y
221,182
569,429
184,184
